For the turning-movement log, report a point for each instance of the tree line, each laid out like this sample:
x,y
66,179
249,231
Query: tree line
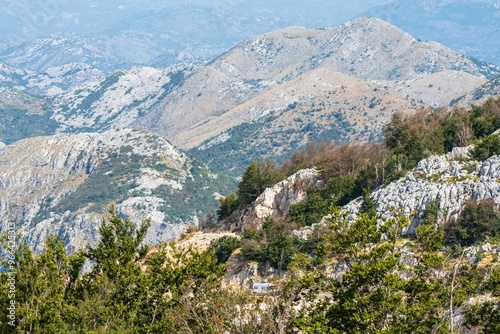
x,y
346,277
351,170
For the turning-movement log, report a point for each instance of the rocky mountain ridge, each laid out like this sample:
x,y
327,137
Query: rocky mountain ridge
x,y
463,25
274,202
53,81
267,75
62,184
114,35
242,85
114,102
265,62
451,179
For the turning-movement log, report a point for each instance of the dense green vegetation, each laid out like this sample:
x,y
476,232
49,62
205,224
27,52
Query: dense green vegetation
x,y
346,277
19,124
372,296
273,245
131,288
477,221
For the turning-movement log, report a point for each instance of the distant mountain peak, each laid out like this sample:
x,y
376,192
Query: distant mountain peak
x,y
463,25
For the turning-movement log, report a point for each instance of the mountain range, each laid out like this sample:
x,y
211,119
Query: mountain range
x,y
116,137
117,35
340,83
158,159
464,26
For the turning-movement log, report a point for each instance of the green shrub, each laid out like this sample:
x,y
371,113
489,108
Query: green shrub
x,y
273,245
224,247
228,205
257,177
485,119
477,221
310,211
487,147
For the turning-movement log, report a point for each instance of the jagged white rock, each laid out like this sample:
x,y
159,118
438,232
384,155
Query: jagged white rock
x,y
451,182
275,201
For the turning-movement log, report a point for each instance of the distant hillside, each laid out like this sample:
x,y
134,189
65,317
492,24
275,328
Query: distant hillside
x,y
347,75
266,96
24,115
116,101
271,94
480,94
62,184
115,35
53,81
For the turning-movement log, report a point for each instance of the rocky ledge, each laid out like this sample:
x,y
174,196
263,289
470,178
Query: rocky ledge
x,y
274,202
450,179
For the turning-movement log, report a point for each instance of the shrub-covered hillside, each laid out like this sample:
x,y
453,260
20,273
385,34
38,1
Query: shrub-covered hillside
x,y
357,277
340,274
351,170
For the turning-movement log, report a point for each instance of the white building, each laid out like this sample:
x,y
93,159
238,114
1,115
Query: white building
x,y
262,288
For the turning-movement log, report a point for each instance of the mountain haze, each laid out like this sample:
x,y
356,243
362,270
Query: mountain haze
x,y
243,85
467,26
117,35
340,83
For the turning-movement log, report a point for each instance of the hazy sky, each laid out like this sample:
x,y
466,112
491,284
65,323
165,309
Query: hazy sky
x,y
26,19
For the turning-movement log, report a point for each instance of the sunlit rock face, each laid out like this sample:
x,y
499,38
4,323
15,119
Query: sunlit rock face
x,y
275,201
450,179
63,185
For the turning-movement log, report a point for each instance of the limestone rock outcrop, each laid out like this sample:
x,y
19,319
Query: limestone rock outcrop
x,y
450,179
275,201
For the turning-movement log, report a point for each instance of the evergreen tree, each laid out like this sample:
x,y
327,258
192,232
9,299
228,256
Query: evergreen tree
x,y
257,177
488,146
42,285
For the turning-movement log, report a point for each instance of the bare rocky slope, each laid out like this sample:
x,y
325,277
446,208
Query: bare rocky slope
x,y
261,64
51,82
63,184
450,179
480,94
272,93
274,202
